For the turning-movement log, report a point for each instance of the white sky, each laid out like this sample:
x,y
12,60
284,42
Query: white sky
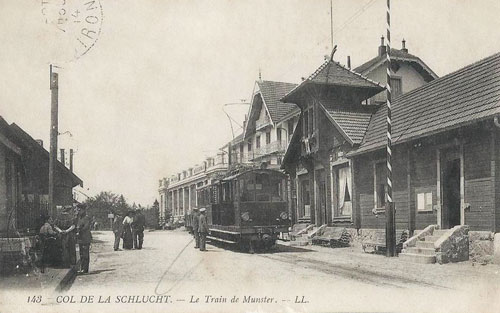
x,y
146,100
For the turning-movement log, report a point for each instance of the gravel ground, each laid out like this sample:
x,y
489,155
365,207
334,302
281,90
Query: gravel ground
x,y
288,279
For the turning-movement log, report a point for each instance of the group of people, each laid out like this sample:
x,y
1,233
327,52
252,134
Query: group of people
x,y
130,228
200,228
72,226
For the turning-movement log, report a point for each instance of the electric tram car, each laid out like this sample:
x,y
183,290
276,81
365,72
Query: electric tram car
x,y
248,209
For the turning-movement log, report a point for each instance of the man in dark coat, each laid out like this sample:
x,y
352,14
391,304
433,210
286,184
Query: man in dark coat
x,y
117,230
67,222
194,223
84,237
202,229
138,229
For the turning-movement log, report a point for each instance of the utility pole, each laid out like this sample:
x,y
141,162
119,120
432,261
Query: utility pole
x,y
71,160
390,227
54,89
331,22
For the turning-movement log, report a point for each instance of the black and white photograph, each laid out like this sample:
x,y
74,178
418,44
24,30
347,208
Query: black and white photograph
x,y
250,156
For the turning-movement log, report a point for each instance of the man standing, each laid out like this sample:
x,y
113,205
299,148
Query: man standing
x,y
67,221
84,237
202,229
194,224
138,229
117,230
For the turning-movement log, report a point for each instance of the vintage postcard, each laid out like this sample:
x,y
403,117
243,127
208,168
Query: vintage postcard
x,y
249,156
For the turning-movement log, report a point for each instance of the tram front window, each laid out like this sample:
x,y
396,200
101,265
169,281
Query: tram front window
x,y
261,188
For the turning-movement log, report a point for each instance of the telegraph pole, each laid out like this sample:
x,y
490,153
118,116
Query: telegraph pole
x,y
390,227
54,105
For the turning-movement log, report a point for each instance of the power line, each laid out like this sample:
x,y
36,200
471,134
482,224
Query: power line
x,y
355,15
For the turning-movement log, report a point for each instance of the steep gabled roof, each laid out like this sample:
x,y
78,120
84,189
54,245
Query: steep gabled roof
x,y
398,55
352,124
334,74
463,97
271,93
5,137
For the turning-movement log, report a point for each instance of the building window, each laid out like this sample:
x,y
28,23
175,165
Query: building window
x,y
306,198
257,142
311,121
305,123
241,153
424,200
249,146
268,138
278,134
380,181
396,86
342,188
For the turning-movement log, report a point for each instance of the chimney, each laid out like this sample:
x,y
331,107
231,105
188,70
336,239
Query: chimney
x,y
71,160
349,62
63,159
40,142
382,48
404,46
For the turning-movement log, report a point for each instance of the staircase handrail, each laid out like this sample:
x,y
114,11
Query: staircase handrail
x,y
428,231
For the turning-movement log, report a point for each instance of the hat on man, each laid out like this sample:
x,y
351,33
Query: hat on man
x,y
195,209
203,210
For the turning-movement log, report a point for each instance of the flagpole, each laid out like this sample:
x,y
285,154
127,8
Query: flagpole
x,y
390,209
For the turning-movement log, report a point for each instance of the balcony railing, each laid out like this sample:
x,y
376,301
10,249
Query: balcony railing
x,y
271,148
259,124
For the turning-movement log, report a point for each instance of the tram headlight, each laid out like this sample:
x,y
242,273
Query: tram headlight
x,y
245,216
284,215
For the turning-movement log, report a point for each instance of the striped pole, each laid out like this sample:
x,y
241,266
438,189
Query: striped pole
x,y
390,225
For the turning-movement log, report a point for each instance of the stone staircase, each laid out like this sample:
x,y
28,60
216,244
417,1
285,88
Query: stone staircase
x,y
304,236
424,250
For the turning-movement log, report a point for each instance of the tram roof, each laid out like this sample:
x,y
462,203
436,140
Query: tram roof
x,y
261,171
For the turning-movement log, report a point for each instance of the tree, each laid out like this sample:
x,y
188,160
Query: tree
x,y
151,215
104,203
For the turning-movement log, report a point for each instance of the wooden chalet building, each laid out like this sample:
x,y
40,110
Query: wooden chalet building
x,y
446,155
337,104
269,126
332,121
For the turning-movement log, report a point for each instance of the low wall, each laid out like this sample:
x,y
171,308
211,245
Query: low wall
x,y
481,246
358,236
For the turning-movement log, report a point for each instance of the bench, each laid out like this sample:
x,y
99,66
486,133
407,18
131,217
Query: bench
x,y
377,242
335,237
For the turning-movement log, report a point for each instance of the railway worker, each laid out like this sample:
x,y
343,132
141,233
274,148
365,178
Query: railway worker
x,y
84,237
138,225
117,230
202,229
194,223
